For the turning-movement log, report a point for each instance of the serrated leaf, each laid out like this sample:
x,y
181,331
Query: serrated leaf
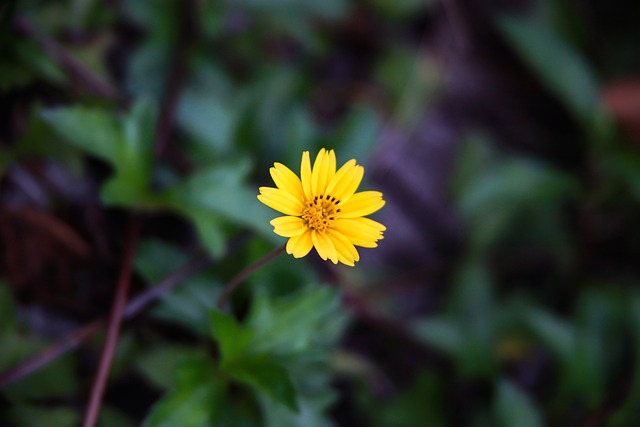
x,y
267,376
157,363
242,362
232,338
194,400
312,412
514,408
298,322
189,407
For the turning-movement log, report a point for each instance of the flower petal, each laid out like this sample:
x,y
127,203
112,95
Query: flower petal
x,y
300,245
287,180
305,175
367,222
346,181
338,176
347,253
324,246
324,168
362,204
288,226
280,200
360,233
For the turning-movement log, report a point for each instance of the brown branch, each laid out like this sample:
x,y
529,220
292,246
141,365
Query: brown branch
x,y
78,72
50,353
246,272
115,323
74,339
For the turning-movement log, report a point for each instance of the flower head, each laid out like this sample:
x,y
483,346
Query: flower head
x,y
322,208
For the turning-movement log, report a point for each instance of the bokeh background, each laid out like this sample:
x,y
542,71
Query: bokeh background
x,y
504,135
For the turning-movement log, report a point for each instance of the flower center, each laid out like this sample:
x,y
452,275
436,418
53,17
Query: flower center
x,y
320,212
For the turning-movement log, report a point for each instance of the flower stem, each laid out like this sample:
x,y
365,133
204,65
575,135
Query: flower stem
x,y
246,272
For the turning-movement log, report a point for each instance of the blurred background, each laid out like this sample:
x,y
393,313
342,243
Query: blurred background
x,y
504,135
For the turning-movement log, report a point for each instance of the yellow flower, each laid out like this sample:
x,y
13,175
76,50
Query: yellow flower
x,y
322,208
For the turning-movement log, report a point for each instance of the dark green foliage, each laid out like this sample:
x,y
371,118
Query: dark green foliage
x,y
533,321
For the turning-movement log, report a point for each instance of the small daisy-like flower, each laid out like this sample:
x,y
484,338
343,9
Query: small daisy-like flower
x,y
322,208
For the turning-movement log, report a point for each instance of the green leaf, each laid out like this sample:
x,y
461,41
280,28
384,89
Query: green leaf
x,y
245,365
492,202
263,373
442,334
95,131
514,408
599,343
306,319
125,142
216,195
232,338
158,362
468,332
156,259
561,68
358,134
197,397
312,412
557,334
206,118
209,228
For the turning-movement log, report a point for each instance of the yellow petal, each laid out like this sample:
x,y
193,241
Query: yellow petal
x,y
324,168
371,223
280,200
300,245
345,185
359,233
287,180
324,246
347,253
305,175
288,226
338,177
362,204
